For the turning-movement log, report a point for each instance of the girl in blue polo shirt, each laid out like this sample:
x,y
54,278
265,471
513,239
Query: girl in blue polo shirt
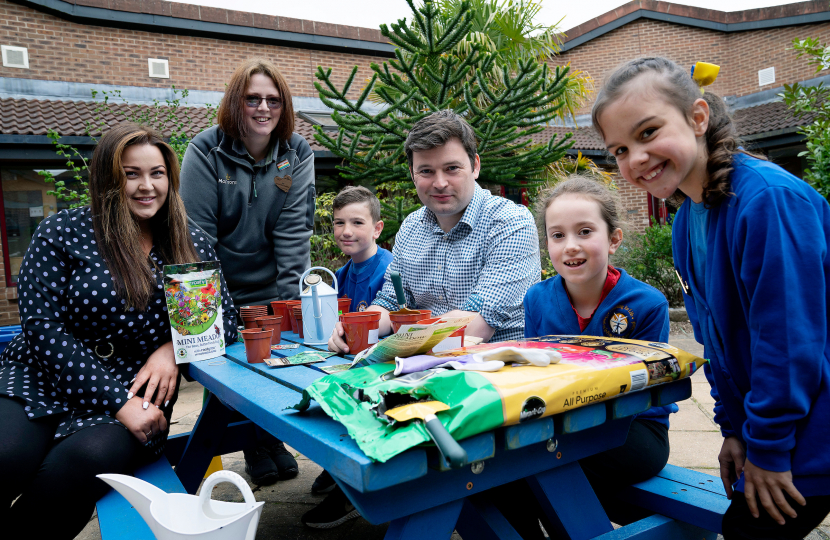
x,y
750,247
580,221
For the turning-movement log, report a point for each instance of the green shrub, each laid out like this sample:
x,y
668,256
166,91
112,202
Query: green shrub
x,y
647,256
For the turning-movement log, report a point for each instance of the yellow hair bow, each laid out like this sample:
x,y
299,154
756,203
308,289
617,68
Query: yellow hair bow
x,y
704,74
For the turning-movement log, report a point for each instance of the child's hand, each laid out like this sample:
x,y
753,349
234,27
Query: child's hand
x,y
337,341
770,487
731,458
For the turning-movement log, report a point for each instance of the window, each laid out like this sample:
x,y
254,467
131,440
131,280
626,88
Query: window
x,y
16,57
25,204
316,118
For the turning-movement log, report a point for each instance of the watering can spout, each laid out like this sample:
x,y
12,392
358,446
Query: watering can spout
x,y
138,493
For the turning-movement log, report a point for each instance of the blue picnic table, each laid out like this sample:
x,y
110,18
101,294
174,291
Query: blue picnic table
x,y
416,491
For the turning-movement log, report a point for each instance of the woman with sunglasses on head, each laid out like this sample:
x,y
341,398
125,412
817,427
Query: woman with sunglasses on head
x,y
88,386
249,184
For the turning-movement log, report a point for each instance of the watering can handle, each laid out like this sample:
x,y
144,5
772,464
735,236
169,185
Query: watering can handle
x,y
333,278
225,476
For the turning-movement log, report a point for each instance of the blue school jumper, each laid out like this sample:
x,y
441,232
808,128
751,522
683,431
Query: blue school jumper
x,y
761,314
632,310
362,281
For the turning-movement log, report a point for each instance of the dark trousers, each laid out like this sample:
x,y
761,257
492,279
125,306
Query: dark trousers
x,y
644,454
738,523
54,481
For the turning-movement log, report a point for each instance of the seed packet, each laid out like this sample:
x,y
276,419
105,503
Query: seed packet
x,y
282,346
337,368
296,360
194,304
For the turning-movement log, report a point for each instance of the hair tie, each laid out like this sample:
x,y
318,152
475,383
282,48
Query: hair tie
x,y
704,74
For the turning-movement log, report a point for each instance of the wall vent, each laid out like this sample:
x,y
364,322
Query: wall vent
x,y
15,57
766,76
159,68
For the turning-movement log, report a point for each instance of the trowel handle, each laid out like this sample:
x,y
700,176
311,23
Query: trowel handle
x,y
395,276
449,448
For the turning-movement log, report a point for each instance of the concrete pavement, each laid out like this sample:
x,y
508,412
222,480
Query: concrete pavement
x,y
695,443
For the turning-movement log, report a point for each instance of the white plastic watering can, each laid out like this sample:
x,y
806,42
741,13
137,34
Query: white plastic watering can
x,y
176,516
320,309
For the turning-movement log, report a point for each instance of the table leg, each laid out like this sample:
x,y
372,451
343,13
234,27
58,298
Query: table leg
x,y
570,503
435,523
204,443
483,521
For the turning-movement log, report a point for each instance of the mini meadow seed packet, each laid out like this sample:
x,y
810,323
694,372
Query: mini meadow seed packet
x,y
194,304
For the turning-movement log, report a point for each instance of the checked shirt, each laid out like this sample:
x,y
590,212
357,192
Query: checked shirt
x,y
486,263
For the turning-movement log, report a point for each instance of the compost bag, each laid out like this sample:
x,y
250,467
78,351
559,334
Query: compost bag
x,y
592,370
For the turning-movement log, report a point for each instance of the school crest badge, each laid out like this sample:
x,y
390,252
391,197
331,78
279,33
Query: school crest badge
x,y
619,322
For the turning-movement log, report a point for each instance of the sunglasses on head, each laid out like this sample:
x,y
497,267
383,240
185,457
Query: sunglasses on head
x,y
254,101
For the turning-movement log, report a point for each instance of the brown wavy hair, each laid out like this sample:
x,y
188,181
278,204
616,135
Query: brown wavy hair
x,y
116,230
610,206
231,115
678,88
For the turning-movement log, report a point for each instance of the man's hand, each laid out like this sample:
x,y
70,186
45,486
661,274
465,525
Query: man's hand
x,y
770,487
478,327
337,341
160,372
731,458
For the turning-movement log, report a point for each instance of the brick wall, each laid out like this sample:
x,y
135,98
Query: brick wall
x,y
8,298
740,54
635,205
60,50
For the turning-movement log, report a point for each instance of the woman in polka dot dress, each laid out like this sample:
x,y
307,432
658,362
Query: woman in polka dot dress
x,y
89,384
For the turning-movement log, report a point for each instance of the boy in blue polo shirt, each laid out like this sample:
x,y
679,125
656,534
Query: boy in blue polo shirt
x,y
357,225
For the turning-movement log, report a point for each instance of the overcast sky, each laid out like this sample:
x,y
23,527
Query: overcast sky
x,y
371,13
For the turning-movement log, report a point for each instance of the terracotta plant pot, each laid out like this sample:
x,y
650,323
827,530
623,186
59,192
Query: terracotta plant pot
x,y
358,328
398,319
257,345
343,304
279,308
248,314
273,323
298,316
289,307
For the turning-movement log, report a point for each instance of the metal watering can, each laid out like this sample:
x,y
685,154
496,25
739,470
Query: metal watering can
x,y
320,309
177,516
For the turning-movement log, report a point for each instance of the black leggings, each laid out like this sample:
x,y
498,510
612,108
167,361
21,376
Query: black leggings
x,y
55,480
644,454
738,523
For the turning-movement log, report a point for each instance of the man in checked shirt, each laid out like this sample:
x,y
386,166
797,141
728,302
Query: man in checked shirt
x,y
465,251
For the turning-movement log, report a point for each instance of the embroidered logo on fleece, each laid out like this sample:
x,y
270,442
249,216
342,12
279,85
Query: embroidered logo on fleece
x,y
619,322
227,180
282,165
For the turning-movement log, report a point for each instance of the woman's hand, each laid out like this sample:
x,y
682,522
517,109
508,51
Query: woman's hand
x,y
161,373
770,487
731,458
143,423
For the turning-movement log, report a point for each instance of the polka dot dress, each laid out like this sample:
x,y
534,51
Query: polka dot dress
x,y
70,312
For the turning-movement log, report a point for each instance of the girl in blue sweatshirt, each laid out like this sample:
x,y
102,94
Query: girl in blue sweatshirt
x,y
750,247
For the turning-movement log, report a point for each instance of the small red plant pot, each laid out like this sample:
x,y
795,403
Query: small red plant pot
x,y
298,316
356,330
273,323
343,304
289,307
279,308
399,319
257,345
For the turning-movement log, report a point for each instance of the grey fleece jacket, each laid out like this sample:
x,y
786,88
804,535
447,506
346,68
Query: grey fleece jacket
x,y
259,222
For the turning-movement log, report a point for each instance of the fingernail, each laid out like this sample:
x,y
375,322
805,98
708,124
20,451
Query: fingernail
x,y
166,403
130,395
146,404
